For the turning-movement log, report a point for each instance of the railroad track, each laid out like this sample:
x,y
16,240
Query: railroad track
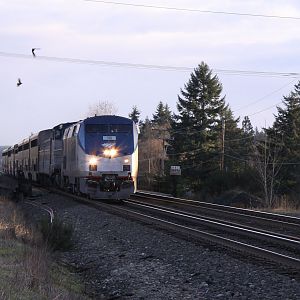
x,y
281,248
249,212
278,248
287,225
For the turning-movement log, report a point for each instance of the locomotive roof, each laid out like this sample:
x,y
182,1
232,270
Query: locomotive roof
x,y
108,119
64,125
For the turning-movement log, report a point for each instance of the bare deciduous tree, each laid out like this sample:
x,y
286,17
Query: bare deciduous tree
x,y
266,160
102,108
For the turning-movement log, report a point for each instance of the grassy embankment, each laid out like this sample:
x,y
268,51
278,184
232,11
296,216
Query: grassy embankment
x,y
27,271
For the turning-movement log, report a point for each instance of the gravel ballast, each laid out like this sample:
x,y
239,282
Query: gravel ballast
x,y
123,259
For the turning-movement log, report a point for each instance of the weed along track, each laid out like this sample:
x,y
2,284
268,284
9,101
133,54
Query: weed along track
x,y
28,270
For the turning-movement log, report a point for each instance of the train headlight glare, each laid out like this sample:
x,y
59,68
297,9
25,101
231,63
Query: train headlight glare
x,y
113,152
106,152
126,160
93,161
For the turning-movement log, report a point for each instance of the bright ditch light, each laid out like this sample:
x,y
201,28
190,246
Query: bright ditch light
x,y
93,161
110,152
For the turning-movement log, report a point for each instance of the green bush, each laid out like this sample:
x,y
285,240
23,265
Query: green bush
x,y
57,235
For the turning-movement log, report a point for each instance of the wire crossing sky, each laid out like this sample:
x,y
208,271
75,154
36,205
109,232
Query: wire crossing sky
x,y
196,10
139,53
145,66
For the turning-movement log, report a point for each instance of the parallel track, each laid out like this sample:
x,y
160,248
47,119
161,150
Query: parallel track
x,y
286,225
211,231
207,205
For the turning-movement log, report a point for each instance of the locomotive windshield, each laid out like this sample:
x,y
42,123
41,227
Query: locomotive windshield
x,y
97,137
105,128
96,128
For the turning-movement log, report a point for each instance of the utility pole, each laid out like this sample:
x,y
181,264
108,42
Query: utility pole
x,y
164,152
265,169
223,146
149,166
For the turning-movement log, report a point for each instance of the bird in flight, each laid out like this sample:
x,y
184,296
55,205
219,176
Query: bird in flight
x,y
33,49
19,82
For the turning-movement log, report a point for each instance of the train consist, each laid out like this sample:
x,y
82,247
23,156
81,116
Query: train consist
x,y
97,157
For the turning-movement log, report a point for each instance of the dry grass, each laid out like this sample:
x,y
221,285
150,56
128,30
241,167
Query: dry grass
x,y
288,205
27,271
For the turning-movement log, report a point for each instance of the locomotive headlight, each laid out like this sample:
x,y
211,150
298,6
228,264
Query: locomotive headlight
x,y
111,152
93,161
126,160
106,152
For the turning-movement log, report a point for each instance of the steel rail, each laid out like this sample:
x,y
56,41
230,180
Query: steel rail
x,y
229,223
271,217
284,260
224,226
44,207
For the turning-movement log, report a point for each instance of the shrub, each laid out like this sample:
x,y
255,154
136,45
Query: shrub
x,y
57,235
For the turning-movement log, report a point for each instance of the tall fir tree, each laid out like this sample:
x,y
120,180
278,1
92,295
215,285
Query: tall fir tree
x,y
247,139
161,125
161,121
196,129
247,127
285,132
135,114
146,129
163,115
232,137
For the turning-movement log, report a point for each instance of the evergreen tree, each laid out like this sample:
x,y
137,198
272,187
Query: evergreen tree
x,y
146,128
259,135
162,116
286,132
247,138
247,127
232,137
161,122
135,114
196,129
161,125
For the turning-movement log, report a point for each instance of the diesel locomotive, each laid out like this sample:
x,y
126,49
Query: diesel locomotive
x,y
97,157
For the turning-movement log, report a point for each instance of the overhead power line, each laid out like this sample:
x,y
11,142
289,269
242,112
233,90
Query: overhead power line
x,y
195,10
153,67
267,108
96,62
265,96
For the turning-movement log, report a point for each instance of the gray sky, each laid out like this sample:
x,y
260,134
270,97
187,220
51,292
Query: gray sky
x,y
55,90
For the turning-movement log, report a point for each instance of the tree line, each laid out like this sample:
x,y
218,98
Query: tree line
x,y
216,155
